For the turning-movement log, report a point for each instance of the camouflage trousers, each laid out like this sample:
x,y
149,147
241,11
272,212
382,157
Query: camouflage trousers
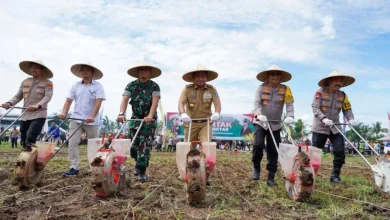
x,y
142,145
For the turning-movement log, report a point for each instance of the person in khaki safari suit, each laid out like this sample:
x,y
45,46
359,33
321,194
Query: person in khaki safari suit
x,y
327,104
36,92
195,102
270,98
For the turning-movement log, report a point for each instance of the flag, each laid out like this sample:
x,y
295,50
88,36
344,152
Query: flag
x,y
388,115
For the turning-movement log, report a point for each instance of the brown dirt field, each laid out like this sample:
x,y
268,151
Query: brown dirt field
x,y
232,195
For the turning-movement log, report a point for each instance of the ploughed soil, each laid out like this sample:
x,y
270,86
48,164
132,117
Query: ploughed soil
x,y
232,194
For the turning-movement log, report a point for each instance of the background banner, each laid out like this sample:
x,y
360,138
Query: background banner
x,y
228,127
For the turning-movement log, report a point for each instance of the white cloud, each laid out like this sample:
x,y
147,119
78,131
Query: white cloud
x,y
327,28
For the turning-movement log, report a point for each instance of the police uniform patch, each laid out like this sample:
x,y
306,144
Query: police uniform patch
x,y
318,95
50,86
206,95
346,104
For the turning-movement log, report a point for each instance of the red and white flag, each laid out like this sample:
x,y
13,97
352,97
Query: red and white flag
x,y
388,115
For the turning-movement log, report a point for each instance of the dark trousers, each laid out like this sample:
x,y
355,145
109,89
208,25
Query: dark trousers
x,y
30,130
258,147
14,142
337,141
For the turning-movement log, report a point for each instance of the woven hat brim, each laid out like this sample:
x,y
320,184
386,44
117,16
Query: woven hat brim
x,y
348,80
211,75
75,69
284,77
25,67
156,72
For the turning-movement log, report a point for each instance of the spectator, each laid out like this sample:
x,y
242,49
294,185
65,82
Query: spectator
x,y
377,147
14,137
170,144
63,137
6,137
54,132
159,140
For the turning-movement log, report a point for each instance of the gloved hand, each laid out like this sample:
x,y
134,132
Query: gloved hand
x,y
185,118
353,122
327,122
289,120
215,116
262,118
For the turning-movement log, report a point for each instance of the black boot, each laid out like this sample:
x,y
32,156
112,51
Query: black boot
x,y
271,179
335,176
136,170
142,177
255,173
207,179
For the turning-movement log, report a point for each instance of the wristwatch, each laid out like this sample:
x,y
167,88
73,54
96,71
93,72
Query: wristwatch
x,y
121,113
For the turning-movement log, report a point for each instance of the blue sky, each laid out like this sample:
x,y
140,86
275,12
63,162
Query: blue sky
x,y
237,39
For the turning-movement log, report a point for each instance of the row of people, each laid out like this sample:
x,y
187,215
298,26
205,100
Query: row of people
x,y
195,104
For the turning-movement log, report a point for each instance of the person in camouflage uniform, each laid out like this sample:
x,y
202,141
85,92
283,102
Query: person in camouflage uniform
x,y
144,95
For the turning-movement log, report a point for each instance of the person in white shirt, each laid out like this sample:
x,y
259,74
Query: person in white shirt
x,y
88,95
170,144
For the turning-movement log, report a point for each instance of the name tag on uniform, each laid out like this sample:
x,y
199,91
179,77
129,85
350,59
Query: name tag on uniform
x,y
207,96
192,95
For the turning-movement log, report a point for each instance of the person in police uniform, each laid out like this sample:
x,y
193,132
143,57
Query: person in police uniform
x,y
36,92
195,103
270,98
327,104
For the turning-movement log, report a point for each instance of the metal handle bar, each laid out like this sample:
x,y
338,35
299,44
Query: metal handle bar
x,y
58,127
70,136
10,109
361,155
136,133
353,129
75,119
123,125
21,115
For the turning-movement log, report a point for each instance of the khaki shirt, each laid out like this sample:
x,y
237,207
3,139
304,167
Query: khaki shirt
x,y
34,92
270,102
329,105
198,100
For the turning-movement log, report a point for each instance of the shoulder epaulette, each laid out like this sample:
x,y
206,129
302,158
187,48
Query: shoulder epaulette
x,y
208,85
190,85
